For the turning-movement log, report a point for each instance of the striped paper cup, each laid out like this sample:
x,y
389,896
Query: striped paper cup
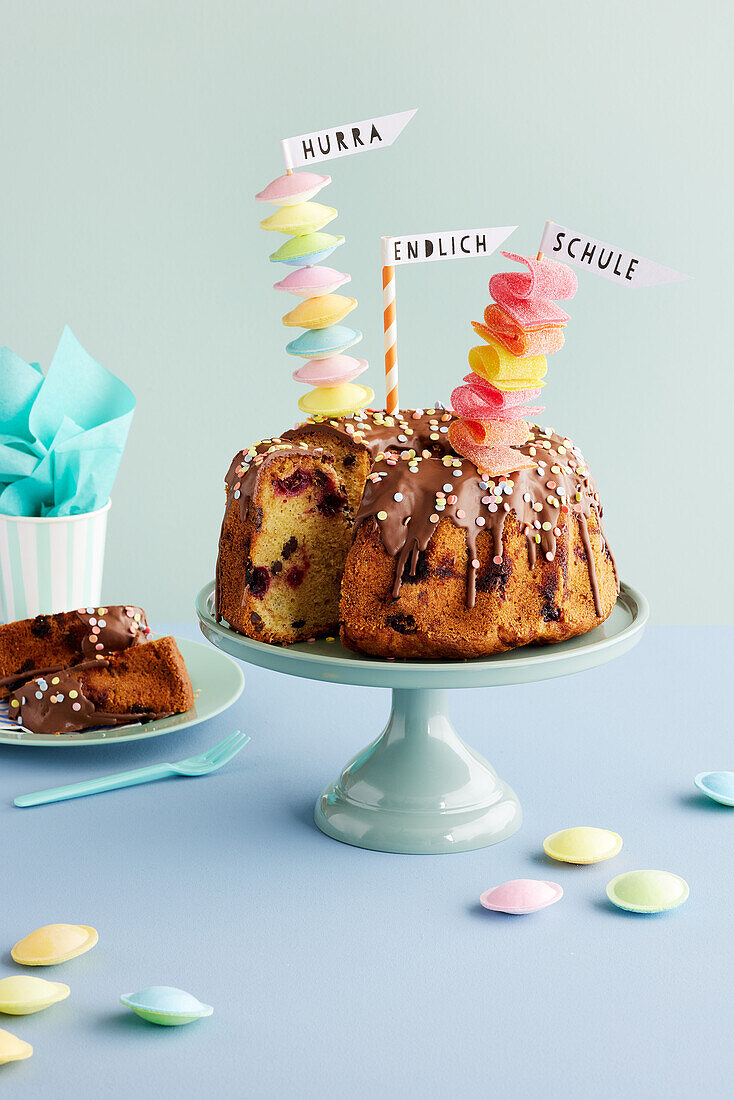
x,y
50,564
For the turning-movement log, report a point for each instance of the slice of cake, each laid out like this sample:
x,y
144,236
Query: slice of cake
x,y
285,536
144,682
50,643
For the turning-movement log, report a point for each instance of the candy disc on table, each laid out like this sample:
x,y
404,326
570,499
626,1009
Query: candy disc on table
x,y
330,372
647,891
717,785
582,844
54,943
165,1005
336,400
292,188
310,248
320,343
327,309
521,895
309,281
22,994
302,217
13,1049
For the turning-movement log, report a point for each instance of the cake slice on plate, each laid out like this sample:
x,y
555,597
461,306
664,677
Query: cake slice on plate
x,y
144,682
49,643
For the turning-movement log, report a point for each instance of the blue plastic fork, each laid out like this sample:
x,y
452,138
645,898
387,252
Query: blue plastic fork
x,y
203,764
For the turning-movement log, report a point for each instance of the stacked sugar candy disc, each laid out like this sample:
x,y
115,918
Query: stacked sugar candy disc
x,y
520,328
321,309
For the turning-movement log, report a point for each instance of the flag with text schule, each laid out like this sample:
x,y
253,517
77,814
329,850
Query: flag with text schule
x,y
617,264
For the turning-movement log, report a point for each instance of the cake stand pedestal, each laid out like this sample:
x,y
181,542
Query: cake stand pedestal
x,y
418,788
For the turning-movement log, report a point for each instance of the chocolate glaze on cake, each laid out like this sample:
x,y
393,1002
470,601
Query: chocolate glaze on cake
x,y
417,479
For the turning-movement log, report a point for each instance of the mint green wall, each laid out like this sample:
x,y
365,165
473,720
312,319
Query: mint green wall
x,y
135,135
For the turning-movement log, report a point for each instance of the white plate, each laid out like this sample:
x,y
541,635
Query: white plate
x,y
217,681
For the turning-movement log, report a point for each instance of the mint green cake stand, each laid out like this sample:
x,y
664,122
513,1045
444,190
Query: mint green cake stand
x,y
418,788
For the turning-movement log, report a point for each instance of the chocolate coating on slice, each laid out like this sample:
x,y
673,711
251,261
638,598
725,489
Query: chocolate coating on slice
x,y
107,630
59,705
112,629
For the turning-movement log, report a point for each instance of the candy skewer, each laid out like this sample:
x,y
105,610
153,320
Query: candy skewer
x,y
539,257
390,324
320,311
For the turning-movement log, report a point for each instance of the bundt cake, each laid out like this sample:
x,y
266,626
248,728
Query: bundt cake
x,y
371,524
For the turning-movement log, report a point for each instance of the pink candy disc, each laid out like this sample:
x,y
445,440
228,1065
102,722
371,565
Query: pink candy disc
x,y
471,403
330,372
293,188
544,278
521,895
309,282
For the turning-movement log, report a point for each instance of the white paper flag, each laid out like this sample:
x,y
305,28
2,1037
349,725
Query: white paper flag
x,y
340,141
455,244
617,264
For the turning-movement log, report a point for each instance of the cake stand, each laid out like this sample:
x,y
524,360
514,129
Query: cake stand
x,y
418,788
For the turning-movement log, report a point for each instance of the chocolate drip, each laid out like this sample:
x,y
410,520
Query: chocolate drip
x,y
29,674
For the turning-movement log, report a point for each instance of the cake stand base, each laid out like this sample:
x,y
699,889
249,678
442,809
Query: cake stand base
x,y
418,788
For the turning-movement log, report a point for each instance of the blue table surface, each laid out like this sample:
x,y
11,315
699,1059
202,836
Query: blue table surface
x,y
337,972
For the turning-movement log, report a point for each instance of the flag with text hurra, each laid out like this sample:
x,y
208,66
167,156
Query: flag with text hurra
x,y
618,264
341,141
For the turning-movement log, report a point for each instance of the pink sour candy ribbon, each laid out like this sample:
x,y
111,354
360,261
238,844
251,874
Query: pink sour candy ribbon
x,y
544,279
470,402
529,312
490,460
521,342
494,433
501,399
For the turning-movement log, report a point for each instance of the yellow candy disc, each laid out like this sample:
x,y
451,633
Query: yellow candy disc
x,y
21,994
13,1049
303,217
327,309
582,844
505,370
336,400
54,943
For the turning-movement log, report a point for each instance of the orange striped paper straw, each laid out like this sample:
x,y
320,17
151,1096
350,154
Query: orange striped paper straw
x,y
391,339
